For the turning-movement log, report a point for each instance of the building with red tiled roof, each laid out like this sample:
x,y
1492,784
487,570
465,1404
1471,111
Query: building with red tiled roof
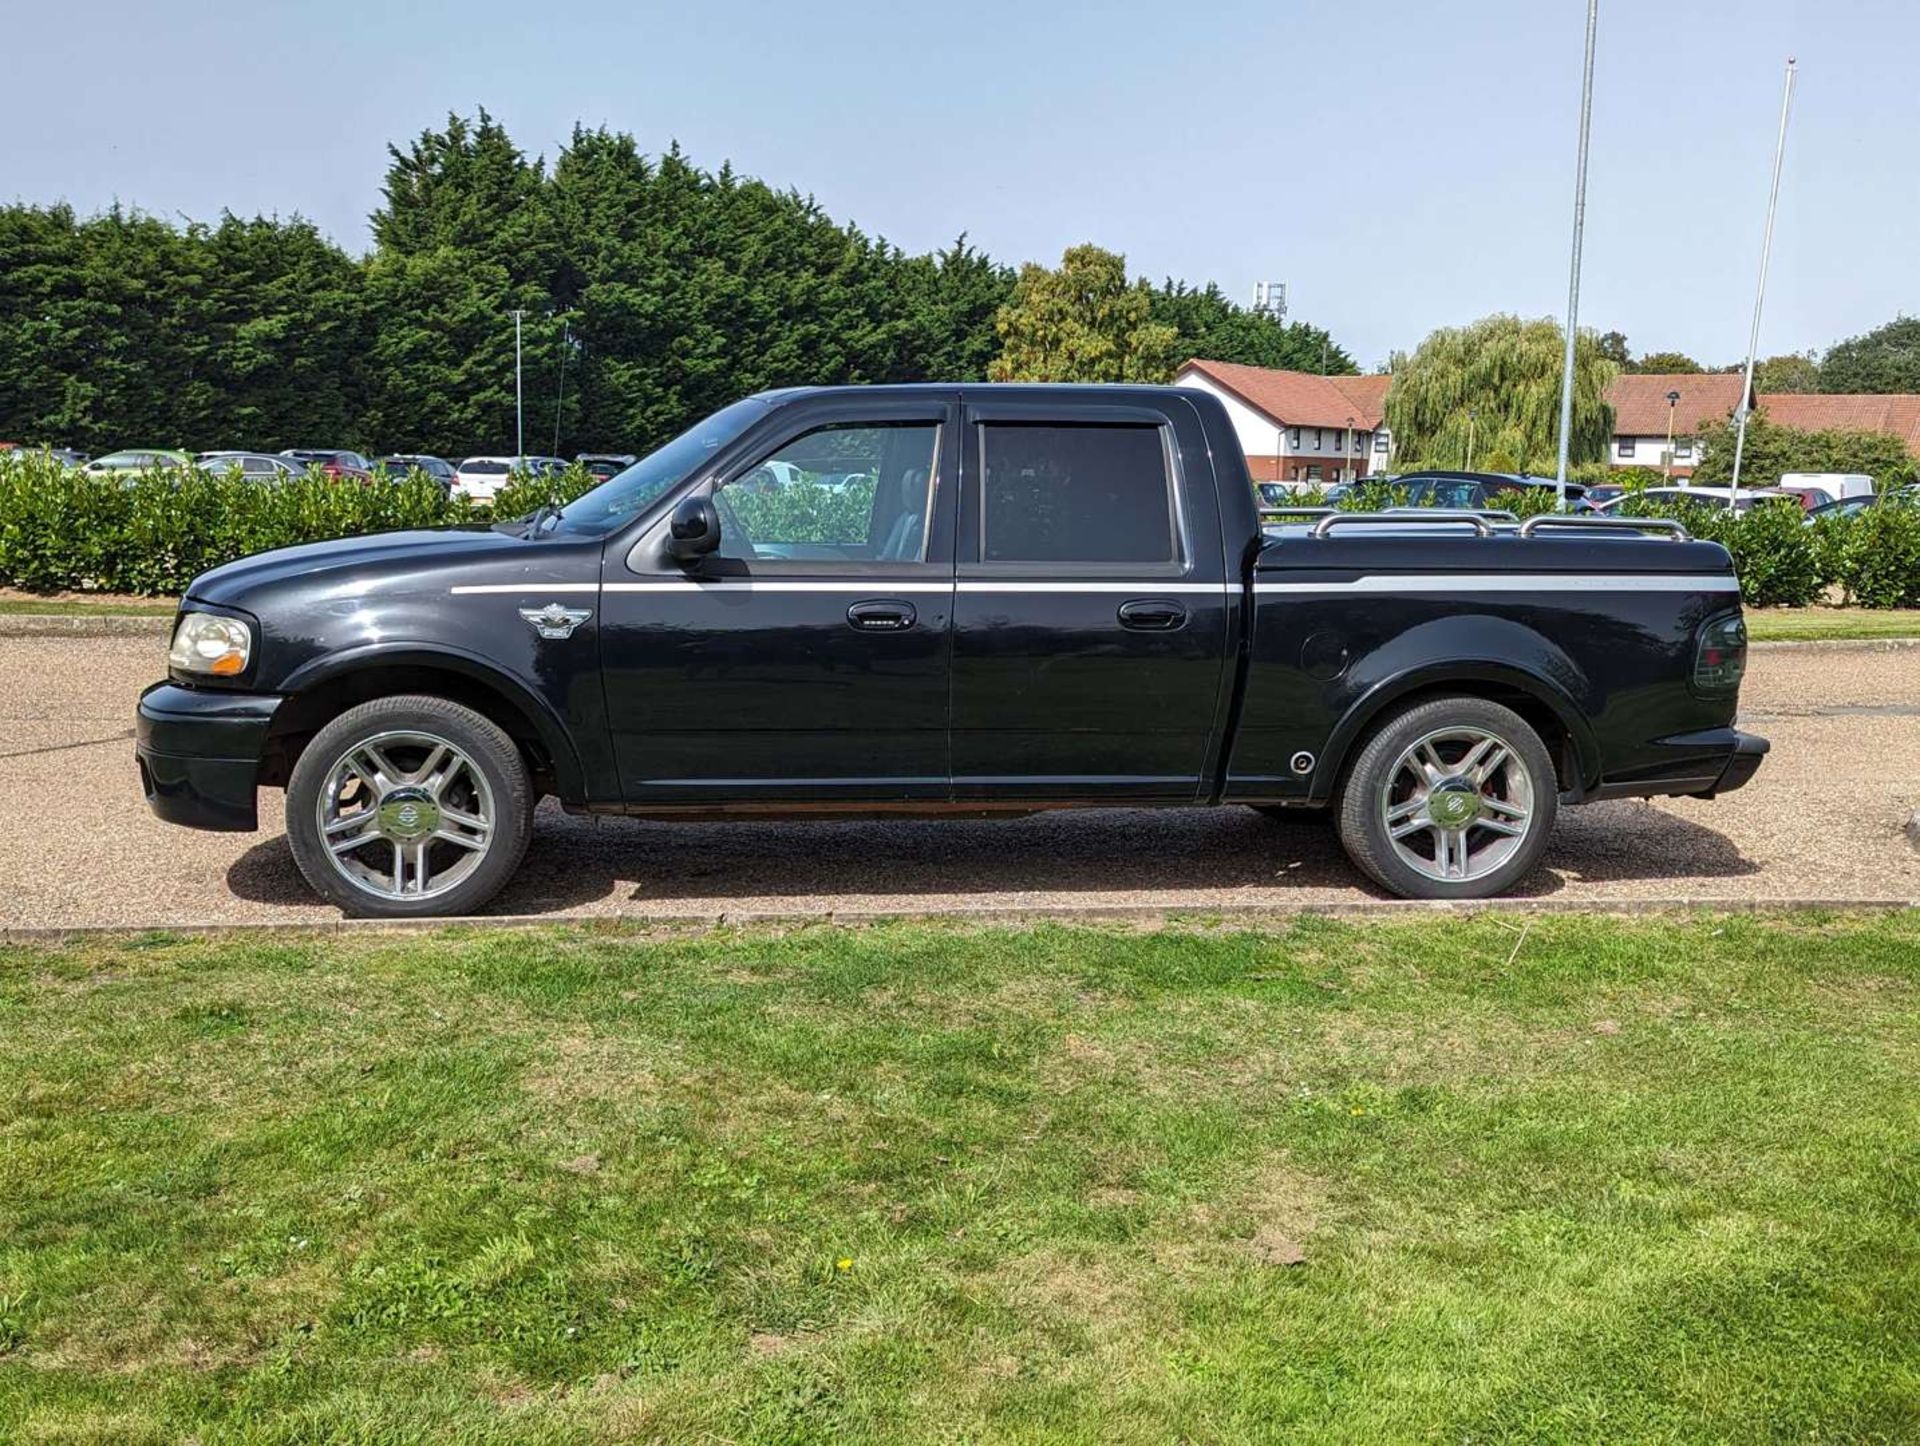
x,y
1897,414
1708,399
1303,427
1641,415
1299,426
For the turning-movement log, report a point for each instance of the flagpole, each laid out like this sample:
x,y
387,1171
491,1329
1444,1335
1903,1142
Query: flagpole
x,y
1573,280
1760,292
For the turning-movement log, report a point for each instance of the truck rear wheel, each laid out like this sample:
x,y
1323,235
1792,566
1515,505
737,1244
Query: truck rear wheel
x,y
409,807
1450,799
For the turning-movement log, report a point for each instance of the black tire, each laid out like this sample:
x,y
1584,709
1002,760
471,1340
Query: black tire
x,y
1361,810
492,754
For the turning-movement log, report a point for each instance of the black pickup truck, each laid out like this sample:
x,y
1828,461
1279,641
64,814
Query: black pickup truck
x,y
956,600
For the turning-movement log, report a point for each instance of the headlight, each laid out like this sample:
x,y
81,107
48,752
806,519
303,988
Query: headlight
x,y
207,643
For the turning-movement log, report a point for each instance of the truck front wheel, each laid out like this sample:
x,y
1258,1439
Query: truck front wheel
x,y
409,807
1451,799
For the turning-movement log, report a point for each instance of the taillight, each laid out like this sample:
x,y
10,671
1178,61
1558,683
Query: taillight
x,y
1720,658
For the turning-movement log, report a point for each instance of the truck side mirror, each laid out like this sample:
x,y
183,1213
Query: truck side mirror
x,y
695,529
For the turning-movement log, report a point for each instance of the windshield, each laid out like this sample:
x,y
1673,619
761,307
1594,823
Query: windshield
x,y
624,497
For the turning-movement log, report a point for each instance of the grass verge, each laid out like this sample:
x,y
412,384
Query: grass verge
x,y
1800,625
1463,1178
15,604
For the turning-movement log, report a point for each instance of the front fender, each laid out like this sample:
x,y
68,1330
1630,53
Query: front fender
x,y
555,737
1475,652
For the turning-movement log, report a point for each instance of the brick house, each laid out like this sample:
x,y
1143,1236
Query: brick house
x,y
1299,426
1640,411
1706,399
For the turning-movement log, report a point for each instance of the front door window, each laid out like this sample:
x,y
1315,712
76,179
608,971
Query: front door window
x,y
858,493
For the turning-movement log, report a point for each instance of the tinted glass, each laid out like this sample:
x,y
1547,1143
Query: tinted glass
x,y
1075,494
856,493
484,469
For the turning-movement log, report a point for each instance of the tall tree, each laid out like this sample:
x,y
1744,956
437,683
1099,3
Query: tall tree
x,y
1083,322
1789,372
1660,363
1500,380
1613,346
1773,450
1886,359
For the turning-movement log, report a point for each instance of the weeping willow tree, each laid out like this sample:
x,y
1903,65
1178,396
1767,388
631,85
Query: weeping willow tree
x,y
1496,385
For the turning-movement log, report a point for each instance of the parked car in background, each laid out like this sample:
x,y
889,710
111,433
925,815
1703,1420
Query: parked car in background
x,y
1601,493
606,464
65,456
139,459
401,463
1810,496
1908,496
478,478
1744,499
545,466
1835,484
254,466
1479,491
334,462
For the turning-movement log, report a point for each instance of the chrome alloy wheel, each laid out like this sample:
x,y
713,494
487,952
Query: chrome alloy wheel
x,y
405,815
1457,804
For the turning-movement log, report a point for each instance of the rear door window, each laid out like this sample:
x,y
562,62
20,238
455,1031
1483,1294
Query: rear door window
x,y
1081,493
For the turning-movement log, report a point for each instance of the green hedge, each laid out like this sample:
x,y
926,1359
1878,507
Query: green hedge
x,y
154,532
1872,557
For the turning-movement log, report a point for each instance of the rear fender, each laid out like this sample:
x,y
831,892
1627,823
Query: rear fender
x,y
1474,654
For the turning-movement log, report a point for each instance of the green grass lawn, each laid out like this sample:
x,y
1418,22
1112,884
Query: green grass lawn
x,y
1787,625
1441,1178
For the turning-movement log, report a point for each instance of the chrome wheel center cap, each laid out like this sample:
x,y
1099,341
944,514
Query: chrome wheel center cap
x,y
407,814
1454,803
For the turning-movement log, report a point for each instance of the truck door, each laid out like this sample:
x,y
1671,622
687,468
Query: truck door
x,y
808,659
1091,613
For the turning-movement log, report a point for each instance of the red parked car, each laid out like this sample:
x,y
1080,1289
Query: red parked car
x,y
336,464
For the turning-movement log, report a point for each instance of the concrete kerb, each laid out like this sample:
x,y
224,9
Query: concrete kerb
x,y
83,625
1136,915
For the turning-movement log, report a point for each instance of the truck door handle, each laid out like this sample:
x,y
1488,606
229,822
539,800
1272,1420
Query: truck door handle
x,y
1152,615
882,615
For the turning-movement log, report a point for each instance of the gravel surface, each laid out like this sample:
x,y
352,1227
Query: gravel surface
x,y
1825,819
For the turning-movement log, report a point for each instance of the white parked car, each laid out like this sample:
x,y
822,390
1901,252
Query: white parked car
x,y
1743,498
478,478
1837,485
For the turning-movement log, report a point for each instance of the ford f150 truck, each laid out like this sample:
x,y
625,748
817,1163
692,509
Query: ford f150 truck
x,y
958,600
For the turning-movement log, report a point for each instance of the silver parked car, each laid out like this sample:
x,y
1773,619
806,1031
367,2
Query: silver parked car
x,y
253,466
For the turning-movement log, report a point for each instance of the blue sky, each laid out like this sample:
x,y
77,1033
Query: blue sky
x,y
1401,164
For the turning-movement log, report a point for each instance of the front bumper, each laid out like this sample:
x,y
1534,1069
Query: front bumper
x,y
199,753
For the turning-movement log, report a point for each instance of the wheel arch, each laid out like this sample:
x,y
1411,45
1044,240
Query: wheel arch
x,y
1545,706
326,688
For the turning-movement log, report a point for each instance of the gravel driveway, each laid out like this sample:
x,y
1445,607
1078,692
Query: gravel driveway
x,y
1822,820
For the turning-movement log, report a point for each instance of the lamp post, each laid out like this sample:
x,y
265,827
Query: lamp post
x,y
1666,466
519,410
1471,414
1346,462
